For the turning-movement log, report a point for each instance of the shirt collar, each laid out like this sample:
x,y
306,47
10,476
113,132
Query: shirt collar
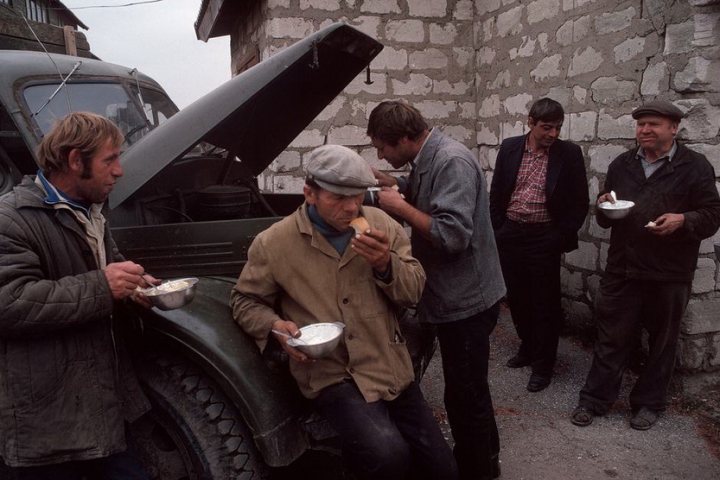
x,y
668,156
55,196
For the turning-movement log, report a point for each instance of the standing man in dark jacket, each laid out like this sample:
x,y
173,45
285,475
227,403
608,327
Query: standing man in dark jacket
x,y
67,389
651,262
538,202
446,204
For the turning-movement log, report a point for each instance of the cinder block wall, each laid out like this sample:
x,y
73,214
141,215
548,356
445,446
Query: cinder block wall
x,y
474,69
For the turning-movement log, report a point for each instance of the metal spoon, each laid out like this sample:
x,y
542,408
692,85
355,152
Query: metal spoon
x,y
612,194
153,287
283,334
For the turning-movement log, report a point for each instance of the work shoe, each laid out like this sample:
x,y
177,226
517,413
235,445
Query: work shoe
x,y
643,419
538,382
518,361
582,416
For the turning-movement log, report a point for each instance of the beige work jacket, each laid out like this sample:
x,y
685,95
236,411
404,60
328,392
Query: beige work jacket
x,y
293,273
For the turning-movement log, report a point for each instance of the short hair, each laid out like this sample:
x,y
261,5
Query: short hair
x,y
546,110
84,131
392,120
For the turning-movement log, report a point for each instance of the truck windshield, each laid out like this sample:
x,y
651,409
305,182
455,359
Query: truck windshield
x,y
110,100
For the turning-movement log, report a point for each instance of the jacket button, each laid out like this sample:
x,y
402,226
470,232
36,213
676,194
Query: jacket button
x,y
392,391
346,301
352,370
350,337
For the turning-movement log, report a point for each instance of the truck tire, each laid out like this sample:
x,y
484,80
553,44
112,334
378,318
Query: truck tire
x,y
193,430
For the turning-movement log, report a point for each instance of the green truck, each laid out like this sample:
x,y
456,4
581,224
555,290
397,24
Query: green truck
x,y
188,204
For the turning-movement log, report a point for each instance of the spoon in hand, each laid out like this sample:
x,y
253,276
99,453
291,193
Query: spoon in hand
x,y
283,334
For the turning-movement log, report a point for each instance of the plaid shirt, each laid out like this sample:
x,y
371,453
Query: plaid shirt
x,y
528,203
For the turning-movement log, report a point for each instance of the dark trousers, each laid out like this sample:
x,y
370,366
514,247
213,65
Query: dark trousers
x,y
120,466
622,307
530,260
465,348
392,440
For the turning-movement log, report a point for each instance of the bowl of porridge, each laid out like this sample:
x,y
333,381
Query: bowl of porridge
x,y
172,294
317,340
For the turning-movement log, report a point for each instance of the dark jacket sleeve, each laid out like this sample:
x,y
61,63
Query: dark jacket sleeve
x,y
573,210
501,183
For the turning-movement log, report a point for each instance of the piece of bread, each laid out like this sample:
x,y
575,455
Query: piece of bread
x,y
360,225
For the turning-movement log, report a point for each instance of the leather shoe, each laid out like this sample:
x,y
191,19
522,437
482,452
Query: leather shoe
x,y
538,382
518,362
643,419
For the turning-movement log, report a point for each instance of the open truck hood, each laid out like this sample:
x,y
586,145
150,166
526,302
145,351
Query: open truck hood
x,y
257,114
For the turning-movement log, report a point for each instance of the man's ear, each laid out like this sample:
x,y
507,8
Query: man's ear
x,y
309,194
531,122
75,163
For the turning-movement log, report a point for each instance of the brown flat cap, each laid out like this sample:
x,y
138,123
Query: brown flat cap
x,y
659,107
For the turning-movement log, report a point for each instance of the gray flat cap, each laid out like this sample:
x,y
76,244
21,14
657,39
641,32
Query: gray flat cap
x,y
340,170
659,107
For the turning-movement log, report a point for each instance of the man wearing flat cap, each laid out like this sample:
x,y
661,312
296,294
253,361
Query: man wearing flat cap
x,y
312,267
651,262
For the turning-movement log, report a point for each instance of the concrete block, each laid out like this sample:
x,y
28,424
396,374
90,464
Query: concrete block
x,y
409,31
442,34
509,22
380,6
486,136
577,314
468,110
518,104
548,67
489,154
701,122
490,106
367,24
712,152
679,38
702,316
582,126
704,281
347,135
391,59
502,80
585,257
486,6
604,248
488,26
526,49
629,49
429,58
706,25
278,4
485,56
595,230
508,129
602,155
428,8
610,128
463,10
593,188
358,85
593,285
433,109
328,5
445,87
308,139
571,283
418,84
331,111
460,133
540,10
585,61
612,91
697,76
714,358
564,34
691,352
289,28
562,95
614,21
655,79
287,161
463,56
580,94
288,184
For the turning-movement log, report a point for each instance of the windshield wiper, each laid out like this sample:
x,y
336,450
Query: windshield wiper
x,y
75,68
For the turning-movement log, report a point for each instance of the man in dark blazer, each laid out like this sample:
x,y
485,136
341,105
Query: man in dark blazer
x,y
538,202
